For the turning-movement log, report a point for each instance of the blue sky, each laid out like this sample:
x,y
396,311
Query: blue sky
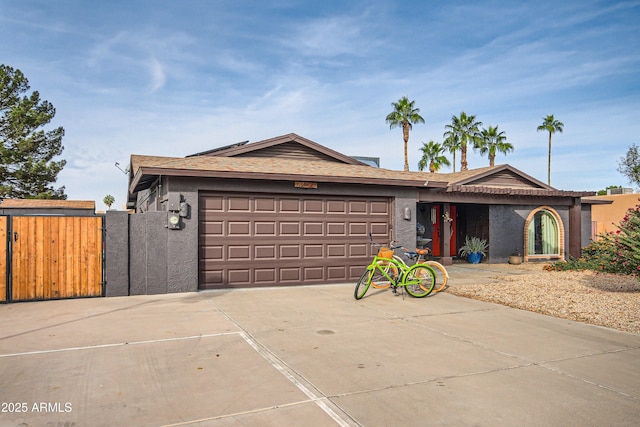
x,y
174,78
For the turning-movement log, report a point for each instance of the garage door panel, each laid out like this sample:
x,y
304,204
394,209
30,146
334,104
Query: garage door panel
x,y
313,206
358,207
212,203
358,229
379,208
265,276
313,273
357,250
215,228
290,274
290,251
239,253
336,273
267,252
239,276
289,228
265,228
313,251
211,252
313,228
250,239
336,251
290,205
379,230
239,228
336,229
212,277
239,204
265,204
336,207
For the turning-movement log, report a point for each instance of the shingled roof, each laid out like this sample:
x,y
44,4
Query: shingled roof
x,y
144,167
294,158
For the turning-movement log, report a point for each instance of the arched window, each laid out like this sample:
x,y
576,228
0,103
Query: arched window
x,y
543,234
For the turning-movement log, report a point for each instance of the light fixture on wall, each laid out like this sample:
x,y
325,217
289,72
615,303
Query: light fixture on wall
x,y
407,214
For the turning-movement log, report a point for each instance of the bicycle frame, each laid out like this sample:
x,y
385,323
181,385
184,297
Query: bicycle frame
x,y
418,280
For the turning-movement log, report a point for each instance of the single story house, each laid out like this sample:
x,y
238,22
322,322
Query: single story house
x,y
288,210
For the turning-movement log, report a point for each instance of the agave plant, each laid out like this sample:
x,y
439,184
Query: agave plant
x,y
473,245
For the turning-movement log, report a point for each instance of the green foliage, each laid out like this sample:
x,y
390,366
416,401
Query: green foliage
x,y
629,165
108,200
432,157
462,130
404,115
617,252
473,245
490,141
604,192
26,151
550,125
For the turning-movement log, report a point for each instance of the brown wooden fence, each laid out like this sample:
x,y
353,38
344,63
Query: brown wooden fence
x,y
54,257
3,258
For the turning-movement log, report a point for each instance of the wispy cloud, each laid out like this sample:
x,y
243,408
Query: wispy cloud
x,y
158,76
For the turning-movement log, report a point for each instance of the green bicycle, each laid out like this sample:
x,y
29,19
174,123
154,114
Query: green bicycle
x,y
387,272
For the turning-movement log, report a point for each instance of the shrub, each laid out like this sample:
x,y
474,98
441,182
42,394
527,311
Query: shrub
x,y
616,252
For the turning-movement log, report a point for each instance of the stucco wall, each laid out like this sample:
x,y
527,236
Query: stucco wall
x,y
506,231
506,228
117,253
605,216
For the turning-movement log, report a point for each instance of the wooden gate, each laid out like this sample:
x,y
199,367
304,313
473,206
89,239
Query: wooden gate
x,y
4,260
55,257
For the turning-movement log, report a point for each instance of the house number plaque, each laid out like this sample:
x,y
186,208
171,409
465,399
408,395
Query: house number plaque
x,y
304,184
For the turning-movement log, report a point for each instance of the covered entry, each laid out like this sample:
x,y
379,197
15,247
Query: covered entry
x,y
250,239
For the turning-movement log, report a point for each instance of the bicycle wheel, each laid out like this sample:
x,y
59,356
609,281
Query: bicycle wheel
x,y
379,280
363,284
442,276
419,280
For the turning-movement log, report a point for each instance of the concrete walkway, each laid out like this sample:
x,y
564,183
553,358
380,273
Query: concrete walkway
x,y
310,356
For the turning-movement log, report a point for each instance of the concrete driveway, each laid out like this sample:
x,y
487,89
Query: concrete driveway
x,y
310,356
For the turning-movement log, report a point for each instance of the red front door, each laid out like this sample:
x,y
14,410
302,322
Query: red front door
x,y
437,224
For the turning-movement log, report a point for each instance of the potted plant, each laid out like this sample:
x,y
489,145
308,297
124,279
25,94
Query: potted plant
x,y
515,258
474,249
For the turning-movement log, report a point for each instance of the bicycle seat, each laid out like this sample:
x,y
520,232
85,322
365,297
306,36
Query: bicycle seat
x,y
422,251
411,254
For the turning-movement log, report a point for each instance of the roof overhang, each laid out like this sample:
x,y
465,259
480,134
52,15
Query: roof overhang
x,y
146,176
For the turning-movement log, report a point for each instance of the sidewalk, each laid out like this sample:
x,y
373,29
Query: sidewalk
x,y
311,356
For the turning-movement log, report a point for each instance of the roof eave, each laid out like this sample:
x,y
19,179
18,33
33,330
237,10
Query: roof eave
x,y
138,184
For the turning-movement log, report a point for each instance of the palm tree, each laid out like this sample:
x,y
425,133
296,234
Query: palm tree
x,y
108,200
551,125
464,128
404,114
432,156
490,142
452,143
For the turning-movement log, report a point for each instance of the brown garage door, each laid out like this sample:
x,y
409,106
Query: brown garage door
x,y
266,240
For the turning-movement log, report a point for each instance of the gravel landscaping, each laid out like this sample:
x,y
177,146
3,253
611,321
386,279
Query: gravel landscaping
x,y
600,299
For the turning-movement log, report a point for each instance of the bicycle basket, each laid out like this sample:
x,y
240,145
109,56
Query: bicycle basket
x,y
385,253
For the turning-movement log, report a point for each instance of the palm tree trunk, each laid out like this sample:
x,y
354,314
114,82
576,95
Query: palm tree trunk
x,y
454,160
405,134
463,158
492,160
549,162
